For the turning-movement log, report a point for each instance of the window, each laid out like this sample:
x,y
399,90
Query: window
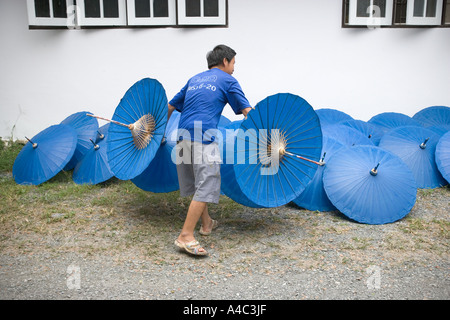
x,y
151,12
102,13
388,13
202,12
424,12
49,12
370,12
126,13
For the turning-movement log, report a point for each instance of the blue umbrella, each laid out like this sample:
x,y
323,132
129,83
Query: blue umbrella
x,y
161,174
172,128
314,197
45,155
443,156
223,121
369,185
440,130
346,135
137,128
390,120
416,146
330,116
93,168
86,129
371,131
229,185
436,116
278,148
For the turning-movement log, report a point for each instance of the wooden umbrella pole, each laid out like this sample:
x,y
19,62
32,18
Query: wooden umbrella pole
x,y
300,157
129,126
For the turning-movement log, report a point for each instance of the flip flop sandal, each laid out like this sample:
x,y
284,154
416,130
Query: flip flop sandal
x,y
192,247
207,233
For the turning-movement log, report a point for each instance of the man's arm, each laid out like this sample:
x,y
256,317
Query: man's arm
x,y
169,112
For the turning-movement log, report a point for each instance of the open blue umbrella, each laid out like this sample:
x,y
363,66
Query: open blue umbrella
x,y
330,116
416,146
229,185
436,116
369,184
314,197
443,156
390,120
278,148
346,135
86,129
137,128
172,128
371,131
223,121
45,155
161,174
93,168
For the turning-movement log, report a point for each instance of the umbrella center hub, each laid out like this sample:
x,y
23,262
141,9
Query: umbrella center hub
x,y
142,131
276,148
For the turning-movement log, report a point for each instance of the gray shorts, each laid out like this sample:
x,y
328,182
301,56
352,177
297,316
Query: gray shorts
x,y
198,168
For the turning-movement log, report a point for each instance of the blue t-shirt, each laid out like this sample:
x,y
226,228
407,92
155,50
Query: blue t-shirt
x,y
201,102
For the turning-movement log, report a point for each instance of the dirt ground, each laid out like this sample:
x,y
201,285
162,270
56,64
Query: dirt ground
x,y
115,241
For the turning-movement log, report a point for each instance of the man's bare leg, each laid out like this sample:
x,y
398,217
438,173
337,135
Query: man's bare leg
x,y
196,210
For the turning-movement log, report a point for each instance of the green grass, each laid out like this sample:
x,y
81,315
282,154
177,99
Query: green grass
x,y
8,153
118,218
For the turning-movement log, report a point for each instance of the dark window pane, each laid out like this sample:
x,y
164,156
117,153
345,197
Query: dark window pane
x,y
431,8
92,8
418,8
111,8
447,12
211,8
361,8
42,8
400,11
142,8
160,8
381,4
59,9
192,8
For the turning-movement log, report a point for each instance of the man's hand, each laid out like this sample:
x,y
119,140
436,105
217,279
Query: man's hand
x,y
246,111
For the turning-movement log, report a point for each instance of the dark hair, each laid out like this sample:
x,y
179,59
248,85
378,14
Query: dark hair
x,y
216,56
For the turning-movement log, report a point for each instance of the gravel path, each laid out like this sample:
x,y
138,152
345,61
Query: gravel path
x,y
280,253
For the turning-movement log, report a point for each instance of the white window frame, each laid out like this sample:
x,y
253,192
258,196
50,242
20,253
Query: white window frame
x,y
372,20
424,21
50,21
183,20
152,21
102,21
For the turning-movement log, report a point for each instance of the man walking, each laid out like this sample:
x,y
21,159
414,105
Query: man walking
x,y
201,102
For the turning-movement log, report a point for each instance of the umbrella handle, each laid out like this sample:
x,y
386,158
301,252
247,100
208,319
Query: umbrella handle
x,y
129,126
96,146
321,163
423,145
374,171
32,143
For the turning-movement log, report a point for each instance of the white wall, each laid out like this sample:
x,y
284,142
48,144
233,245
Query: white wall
x,y
295,46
